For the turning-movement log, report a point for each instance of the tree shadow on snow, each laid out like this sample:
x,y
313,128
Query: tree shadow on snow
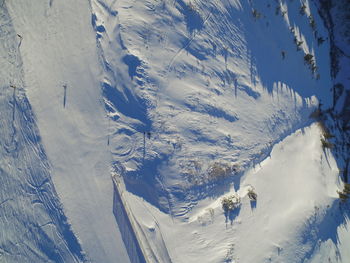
x,y
253,204
264,45
336,216
193,18
231,215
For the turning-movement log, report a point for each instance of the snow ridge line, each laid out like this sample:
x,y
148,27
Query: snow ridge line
x,y
131,236
125,221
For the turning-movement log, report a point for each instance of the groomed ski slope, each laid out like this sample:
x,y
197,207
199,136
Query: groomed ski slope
x,y
33,226
58,49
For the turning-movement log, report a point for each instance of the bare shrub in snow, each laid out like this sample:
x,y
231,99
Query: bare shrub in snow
x,y
312,22
197,174
192,7
326,134
320,41
310,61
211,213
283,53
252,194
256,14
230,202
219,170
326,144
316,114
345,194
235,168
230,254
302,9
325,131
298,43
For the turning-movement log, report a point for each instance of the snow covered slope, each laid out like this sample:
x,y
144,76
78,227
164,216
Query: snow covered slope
x,y
197,93
58,49
296,210
33,225
192,86
203,99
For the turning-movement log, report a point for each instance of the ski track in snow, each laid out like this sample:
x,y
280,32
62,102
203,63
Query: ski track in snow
x,y
63,53
33,225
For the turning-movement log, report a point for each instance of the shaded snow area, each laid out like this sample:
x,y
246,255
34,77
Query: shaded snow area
x,y
126,125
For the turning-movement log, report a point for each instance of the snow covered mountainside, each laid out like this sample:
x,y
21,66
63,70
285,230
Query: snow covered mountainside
x,y
129,124
200,99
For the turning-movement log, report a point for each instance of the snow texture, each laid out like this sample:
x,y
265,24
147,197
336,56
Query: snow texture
x,y
197,94
58,49
185,102
33,225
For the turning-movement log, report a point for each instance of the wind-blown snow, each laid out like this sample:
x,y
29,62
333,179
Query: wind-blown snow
x,y
200,88
197,93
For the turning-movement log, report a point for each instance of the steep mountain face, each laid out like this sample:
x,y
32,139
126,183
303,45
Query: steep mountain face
x,y
223,122
335,15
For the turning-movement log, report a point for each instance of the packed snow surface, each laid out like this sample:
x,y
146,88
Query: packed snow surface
x,y
59,49
33,225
